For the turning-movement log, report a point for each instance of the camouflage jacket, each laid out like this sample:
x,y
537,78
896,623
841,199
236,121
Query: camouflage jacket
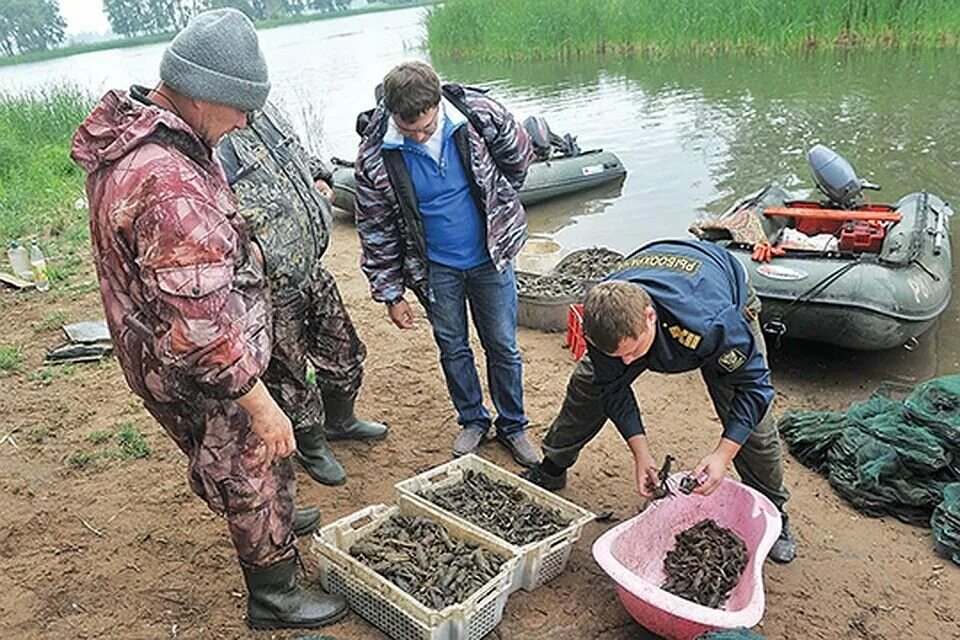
x,y
273,178
183,291
389,222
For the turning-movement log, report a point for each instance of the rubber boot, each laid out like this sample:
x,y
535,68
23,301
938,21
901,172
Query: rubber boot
x,y
343,424
542,478
305,521
315,457
784,550
276,601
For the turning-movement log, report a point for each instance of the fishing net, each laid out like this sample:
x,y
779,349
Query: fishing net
x,y
740,633
946,523
886,456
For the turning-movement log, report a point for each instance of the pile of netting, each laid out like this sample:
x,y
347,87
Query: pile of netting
x,y
946,523
890,457
740,633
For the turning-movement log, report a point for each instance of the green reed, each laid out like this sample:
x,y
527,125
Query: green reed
x,y
558,29
39,184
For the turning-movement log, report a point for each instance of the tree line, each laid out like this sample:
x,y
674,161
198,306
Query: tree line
x,y
37,25
30,25
144,17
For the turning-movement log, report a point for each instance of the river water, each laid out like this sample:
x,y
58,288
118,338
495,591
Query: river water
x,y
694,134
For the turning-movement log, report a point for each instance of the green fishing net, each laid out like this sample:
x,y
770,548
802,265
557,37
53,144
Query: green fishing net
x,y
890,457
740,633
946,523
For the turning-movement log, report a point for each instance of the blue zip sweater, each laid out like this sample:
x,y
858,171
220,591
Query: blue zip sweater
x,y
453,229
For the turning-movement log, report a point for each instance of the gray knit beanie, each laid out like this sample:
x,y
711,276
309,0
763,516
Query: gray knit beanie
x,y
217,58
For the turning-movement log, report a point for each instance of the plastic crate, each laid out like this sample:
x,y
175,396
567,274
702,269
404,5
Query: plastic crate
x,y
540,561
392,610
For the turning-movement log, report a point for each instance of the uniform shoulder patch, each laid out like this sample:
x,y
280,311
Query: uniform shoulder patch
x,y
732,360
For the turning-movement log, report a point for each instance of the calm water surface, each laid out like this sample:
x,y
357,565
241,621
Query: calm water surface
x,y
694,134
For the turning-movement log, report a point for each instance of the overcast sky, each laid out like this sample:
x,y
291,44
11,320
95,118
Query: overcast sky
x,y
84,15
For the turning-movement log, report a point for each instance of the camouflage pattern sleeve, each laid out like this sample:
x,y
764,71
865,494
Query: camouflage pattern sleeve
x,y
511,145
381,239
198,270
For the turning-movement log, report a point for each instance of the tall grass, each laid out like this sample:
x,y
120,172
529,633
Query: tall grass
x,y
38,182
558,29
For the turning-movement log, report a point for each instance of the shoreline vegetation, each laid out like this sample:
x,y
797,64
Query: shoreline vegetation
x,y
39,184
122,43
519,30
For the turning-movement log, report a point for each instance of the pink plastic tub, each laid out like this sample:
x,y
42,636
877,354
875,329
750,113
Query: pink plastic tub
x,y
632,554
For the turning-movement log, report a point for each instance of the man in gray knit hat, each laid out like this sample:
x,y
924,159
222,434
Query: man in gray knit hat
x,y
186,300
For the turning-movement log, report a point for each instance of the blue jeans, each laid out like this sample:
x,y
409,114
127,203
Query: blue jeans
x,y
493,306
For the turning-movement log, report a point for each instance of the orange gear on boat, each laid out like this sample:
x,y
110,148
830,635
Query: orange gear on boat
x,y
765,252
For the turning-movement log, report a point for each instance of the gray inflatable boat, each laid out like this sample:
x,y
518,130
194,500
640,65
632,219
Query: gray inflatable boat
x,y
546,179
881,293
560,168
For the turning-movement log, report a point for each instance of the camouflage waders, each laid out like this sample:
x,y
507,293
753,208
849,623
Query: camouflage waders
x,y
273,177
313,326
225,469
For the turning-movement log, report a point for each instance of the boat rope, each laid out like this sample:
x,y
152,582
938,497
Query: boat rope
x,y
926,269
778,326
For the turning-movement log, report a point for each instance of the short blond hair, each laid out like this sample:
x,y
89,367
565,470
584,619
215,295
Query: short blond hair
x,y
613,311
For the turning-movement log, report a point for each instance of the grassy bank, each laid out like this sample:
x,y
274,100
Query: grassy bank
x,y
39,184
558,29
72,50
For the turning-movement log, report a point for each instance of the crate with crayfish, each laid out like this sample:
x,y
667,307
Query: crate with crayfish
x,y
413,576
536,525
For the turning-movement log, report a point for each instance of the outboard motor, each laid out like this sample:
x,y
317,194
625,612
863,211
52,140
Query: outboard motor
x,y
567,145
540,136
835,178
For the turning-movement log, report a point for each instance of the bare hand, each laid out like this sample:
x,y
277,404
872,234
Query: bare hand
x,y
710,472
401,314
276,431
647,476
325,190
269,422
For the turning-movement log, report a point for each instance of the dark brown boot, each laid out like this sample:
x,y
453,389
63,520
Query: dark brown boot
x,y
276,601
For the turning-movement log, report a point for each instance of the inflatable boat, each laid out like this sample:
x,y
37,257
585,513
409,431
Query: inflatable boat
x,y
546,179
560,168
840,270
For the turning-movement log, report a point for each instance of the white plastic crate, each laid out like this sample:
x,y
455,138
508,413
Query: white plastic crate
x,y
389,608
540,561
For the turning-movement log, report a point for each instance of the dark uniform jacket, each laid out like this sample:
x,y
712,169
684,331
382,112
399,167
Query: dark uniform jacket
x,y
699,292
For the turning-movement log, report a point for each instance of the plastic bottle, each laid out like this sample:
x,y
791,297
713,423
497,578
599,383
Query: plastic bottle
x,y
19,261
38,265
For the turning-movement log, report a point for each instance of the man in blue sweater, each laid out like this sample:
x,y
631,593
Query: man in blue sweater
x,y
438,213
675,306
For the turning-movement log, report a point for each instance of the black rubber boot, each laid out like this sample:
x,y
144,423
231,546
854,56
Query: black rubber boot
x,y
315,457
538,476
305,521
343,424
276,601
